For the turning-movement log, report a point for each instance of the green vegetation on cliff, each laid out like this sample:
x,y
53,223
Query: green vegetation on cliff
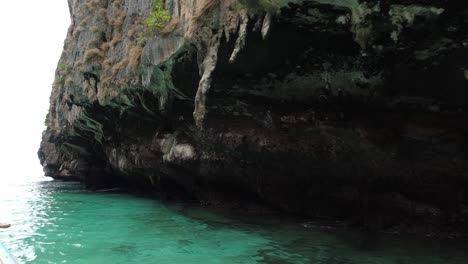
x,y
156,21
158,16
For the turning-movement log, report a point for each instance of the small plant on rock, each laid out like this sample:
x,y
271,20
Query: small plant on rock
x,y
64,68
157,20
158,17
141,39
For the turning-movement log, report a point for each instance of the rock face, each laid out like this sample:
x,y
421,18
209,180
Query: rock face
x,y
326,107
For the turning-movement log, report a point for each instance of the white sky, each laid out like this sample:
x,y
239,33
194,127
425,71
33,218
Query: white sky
x,y
31,41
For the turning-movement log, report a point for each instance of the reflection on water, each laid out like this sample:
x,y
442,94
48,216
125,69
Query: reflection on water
x,y
57,222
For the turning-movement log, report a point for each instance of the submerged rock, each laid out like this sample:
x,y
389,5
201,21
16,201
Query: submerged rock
x,y
322,108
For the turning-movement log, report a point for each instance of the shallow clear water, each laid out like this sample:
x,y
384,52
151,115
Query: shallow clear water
x,y
57,222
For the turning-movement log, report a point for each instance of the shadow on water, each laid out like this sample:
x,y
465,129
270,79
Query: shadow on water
x,y
56,221
289,240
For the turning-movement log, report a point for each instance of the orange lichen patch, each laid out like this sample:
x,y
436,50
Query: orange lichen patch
x,y
116,40
102,12
118,19
116,4
78,64
93,44
105,82
131,33
134,56
94,54
119,66
105,46
91,4
106,65
171,26
68,81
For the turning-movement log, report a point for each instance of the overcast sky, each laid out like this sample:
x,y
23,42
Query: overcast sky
x,y
31,41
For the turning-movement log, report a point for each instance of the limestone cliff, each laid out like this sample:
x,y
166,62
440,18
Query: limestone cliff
x,y
326,107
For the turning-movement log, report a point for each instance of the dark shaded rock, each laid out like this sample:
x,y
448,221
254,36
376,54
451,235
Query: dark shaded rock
x,y
321,108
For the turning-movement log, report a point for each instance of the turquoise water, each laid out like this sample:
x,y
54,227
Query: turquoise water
x,y
57,222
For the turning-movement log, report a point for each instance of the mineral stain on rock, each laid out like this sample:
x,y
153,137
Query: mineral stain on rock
x,y
320,108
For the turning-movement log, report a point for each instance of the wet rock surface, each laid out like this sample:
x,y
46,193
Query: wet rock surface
x,y
352,109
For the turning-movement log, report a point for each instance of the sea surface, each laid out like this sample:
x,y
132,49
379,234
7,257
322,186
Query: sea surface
x,y
60,222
